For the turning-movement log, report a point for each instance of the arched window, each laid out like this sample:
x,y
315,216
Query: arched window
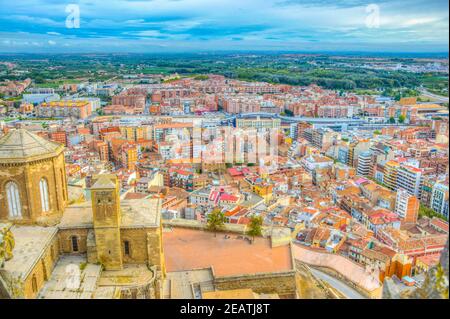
x,y
126,248
74,242
34,286
43,187
13,197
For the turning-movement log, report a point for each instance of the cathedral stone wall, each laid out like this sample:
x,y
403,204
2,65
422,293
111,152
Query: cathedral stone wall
x,y
144,243
41,272
65,240
109,248
137,240
17,174
155,249
27,177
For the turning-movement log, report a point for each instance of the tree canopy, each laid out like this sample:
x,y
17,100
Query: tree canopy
x,y
255,226
215,221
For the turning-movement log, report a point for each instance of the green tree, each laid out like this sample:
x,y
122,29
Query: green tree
x,y
215,221
392,120
201,77
255,227
288,112
377,132
401,118
426,211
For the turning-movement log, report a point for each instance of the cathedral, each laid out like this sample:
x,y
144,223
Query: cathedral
x,y
32,179
105,248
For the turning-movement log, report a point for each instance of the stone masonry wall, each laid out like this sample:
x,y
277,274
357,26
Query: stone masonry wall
x,y
109,247
65,242
155,249
42,270
283,283
137,239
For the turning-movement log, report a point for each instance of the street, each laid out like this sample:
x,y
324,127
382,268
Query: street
x,y
348,291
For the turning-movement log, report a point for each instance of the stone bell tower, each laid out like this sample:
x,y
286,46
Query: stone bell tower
x,y
106,209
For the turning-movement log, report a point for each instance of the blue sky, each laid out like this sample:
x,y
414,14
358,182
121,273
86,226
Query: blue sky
x,y
37,26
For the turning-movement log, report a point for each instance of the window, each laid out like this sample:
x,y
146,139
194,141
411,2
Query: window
x,y
13,197
126,246
74,240
43,187
34,284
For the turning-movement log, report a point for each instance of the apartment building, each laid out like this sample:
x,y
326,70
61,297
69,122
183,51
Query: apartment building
x,y
439,199
406,206
409,178
364,167
258,123
65,108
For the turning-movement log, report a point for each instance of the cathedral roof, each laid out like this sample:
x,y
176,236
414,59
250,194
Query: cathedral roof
x,y
104,182
20,145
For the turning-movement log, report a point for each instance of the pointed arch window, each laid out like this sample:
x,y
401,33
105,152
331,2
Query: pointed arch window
x,y
13,198
45,202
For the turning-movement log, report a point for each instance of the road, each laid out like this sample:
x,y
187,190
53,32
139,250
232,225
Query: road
x,y
437,98
345,289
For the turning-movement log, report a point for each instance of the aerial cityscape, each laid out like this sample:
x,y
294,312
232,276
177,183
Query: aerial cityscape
x,y
201,150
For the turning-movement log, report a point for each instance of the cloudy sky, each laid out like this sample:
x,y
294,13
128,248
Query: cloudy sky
x,y
205,25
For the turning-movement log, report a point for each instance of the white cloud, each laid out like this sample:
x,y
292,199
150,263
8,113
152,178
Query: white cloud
x,y
418,21
258,23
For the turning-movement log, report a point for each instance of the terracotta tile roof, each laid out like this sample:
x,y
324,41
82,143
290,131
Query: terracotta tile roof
x,y
429,260
439,223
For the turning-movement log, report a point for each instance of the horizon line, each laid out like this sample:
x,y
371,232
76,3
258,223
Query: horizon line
x,y
309,52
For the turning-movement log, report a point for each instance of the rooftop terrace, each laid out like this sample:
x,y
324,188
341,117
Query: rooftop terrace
x,y
227,254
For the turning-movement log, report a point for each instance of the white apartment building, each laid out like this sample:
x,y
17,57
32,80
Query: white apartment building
x,y
364,167
409,178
